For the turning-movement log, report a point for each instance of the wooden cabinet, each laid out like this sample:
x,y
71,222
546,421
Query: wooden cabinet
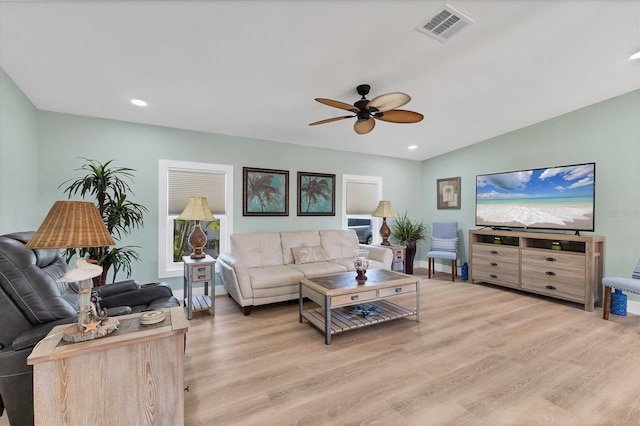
x,y
134,376
563,266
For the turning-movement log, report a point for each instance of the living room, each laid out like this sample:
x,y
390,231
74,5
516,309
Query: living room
x,y
42,148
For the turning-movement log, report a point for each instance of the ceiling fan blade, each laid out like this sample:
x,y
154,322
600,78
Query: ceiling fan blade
x,y
389,101
400,116
330,120
338,104
364,126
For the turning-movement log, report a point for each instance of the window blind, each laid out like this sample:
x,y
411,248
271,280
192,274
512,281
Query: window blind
x,y
184,184
361,197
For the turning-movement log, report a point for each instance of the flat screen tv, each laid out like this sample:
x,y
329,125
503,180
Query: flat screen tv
x,y
554,198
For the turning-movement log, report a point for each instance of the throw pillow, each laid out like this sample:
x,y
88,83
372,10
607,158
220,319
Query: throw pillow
x,y
444,244
308,254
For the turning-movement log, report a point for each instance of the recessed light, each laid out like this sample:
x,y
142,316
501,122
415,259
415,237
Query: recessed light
x,y
138,102
412,147
634,56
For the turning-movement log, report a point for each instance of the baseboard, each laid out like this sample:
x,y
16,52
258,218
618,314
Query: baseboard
x,y
633,307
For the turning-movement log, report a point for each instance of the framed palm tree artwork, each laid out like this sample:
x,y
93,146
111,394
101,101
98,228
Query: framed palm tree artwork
x,y
316,194
265,192
448,191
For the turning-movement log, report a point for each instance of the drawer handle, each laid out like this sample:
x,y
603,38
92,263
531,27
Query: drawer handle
x,y
201,269
549,287
399,290
201,277
493,276
493,264
550,273
550,259
354,297
493,252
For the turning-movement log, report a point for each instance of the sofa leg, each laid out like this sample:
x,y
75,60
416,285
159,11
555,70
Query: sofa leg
x,y
429,260
246,310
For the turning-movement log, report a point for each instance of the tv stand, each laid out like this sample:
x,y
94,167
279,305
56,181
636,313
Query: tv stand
x,y
567,267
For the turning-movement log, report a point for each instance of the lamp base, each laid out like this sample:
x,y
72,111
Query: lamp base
x,y
385,232
76,333
198,255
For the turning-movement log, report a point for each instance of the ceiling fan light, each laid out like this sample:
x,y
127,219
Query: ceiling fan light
x,y
635,56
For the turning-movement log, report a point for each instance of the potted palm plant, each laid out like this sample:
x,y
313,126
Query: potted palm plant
x,y
406,232
110,187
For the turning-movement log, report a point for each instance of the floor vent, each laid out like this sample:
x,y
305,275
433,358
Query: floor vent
x,y
445,24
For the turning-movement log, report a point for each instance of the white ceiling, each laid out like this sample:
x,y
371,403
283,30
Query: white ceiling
x,y
253,68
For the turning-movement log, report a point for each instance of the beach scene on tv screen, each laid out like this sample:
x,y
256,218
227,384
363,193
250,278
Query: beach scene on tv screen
x,y
551,198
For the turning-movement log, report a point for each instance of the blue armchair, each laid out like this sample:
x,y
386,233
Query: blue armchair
x,y
631,285
444,245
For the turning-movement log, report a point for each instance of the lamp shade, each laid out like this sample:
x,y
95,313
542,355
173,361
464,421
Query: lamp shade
x,y
72,224
197,209
384,210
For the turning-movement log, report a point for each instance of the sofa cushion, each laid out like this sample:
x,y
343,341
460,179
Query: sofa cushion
x,y
255,250
274,276
297,239
339,244
308,254
348,264
319,268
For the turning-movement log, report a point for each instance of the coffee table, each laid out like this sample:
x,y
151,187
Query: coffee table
x,y
339,294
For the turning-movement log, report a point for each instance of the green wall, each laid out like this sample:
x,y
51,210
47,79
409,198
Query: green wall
x,y
18,159
607,133
64,138
42,149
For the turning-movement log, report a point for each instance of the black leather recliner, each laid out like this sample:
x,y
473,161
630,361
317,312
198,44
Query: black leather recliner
x,y
32,303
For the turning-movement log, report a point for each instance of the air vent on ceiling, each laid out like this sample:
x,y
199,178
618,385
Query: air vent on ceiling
x,y
445,24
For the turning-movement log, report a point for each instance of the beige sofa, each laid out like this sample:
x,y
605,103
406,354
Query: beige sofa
x,y
266,267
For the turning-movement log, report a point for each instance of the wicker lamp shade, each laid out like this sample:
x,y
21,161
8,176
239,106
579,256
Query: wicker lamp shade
x,y
72,224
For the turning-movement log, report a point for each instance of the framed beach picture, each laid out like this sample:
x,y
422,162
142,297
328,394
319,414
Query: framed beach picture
x,y
316,194
448,191
265,192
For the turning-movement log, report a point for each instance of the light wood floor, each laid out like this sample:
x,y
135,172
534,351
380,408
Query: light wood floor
x,y
481,355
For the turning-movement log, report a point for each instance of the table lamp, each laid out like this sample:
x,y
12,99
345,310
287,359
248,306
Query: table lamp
x,y
75,225
384,211
197,209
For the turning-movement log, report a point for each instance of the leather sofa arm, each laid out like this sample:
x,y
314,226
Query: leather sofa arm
x,y
116,288
36,333
381,254
141,295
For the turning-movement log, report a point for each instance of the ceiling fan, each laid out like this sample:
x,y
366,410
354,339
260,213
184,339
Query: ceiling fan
x,y
381,107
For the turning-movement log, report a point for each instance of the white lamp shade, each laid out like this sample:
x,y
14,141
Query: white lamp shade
x,y
197,209
384,210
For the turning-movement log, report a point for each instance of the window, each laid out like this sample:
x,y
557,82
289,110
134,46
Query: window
x,y
360,196
180,180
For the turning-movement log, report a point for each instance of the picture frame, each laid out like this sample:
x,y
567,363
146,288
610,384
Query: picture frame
x,y
316,194
448,193
265,192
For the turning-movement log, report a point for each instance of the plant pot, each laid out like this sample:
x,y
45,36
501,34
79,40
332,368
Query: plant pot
x,y
410,256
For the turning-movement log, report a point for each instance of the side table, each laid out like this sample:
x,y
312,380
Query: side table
x,y
399,253
134,376
199,271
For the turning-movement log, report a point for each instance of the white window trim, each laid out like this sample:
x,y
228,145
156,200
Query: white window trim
x,y
166,266
376,222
